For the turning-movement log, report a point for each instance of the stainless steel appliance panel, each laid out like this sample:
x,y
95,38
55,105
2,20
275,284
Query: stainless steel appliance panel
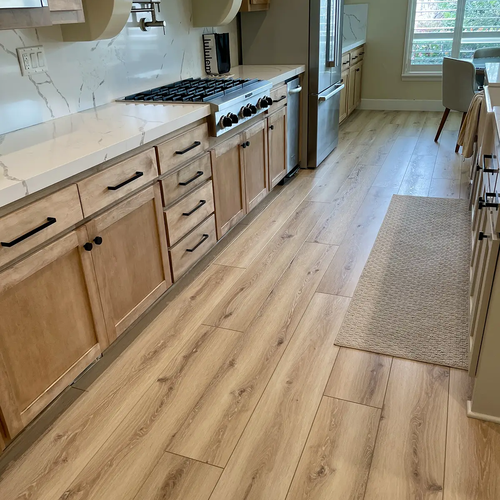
x,y
293,123
22,4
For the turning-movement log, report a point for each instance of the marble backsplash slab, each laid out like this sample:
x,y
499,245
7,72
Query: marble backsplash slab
x,y
83,75
355,21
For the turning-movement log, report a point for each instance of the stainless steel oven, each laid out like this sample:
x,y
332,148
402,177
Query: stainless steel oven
x,y
22,4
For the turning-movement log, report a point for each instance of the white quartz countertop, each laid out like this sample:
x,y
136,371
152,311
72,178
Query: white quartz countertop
x,y
352,44
37,157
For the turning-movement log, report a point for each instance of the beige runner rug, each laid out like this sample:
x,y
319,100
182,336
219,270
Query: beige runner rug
x,y
412,300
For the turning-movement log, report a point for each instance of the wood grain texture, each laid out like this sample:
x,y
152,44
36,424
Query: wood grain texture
x,y
277,139
338,453
418,176
264,461
49,467
211,432
472,449
179,478
241,304
410,451
360,377
121,466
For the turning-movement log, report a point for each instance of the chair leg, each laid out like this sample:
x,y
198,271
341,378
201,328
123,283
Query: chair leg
x,y
441,125
457,147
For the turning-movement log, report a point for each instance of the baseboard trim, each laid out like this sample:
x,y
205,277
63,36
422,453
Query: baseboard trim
x,y
481,416
401,105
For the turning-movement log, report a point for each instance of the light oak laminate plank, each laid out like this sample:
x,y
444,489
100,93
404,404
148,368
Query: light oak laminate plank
x,y
472,449
264,461
211,431
418,177
445,188
343,274
337,457
241,303
413,124
48,468
380,147
121,466
425,144
409,453
179,478
244,250
360,377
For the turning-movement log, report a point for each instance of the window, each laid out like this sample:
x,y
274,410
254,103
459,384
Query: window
x,y
448,28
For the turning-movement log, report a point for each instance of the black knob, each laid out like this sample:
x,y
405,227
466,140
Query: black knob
x,y
233,117
227,122
262,104
269,101
88,246
244,145
98,240
252,109
247,143
245,112
272,127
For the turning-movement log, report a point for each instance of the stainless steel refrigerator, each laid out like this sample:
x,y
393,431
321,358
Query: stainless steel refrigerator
x,y
305,32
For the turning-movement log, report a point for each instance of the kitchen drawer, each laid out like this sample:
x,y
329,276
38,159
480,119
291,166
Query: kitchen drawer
x,y
25,229
186,179
346,58
357,55
101,189
193,247
189,212
279,97
174,152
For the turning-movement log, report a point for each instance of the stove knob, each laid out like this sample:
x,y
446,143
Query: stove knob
x,y
252,109
268,100
225,122
233,118
245,112
262,104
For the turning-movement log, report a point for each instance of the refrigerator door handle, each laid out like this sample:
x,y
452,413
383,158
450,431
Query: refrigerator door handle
x,y
338,88
333,32
297,90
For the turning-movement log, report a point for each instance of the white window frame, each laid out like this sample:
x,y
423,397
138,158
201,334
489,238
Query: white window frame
x,y
434,72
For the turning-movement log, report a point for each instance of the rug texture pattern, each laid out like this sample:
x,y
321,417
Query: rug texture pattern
x,y
412,300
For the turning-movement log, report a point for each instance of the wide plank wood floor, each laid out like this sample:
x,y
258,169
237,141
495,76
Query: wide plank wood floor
x,y
236,390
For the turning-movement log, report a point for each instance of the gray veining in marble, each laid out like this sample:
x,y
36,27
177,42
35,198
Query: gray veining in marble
x,y
355,22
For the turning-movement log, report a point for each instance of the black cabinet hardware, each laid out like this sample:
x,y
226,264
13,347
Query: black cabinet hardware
x,y
245,144
344,63
353,58
98,240
482,236
484,203
197,207
128,181
50,221
280,99
203,239
488,170
194,145
357,69
272,127
88,247
198,174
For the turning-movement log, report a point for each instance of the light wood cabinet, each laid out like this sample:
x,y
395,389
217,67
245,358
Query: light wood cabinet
x,y
255,162
277,146
52,327
352,76
129,251
255,5
344,104
229,184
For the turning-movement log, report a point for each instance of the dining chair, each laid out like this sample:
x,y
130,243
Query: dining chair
x,y
485,53
459,79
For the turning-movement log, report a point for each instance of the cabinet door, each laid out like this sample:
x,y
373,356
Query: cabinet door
x,y
229,184
358,76
52,327
351,90
344,110
256,165
277,146
130,257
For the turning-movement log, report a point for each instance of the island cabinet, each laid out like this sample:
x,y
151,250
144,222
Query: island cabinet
x,y
52,327
276,124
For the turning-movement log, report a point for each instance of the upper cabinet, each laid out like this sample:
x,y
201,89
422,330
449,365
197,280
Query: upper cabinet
x,y
255,5
52,12
215,12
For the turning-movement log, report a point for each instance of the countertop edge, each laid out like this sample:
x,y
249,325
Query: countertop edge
x,y
346,47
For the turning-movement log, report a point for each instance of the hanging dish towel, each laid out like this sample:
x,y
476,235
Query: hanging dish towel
x,y
468,131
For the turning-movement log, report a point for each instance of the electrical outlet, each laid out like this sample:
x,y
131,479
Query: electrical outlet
x,y
32,60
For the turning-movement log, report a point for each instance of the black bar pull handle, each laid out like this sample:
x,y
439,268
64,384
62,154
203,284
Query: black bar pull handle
x,y
203,239
197,207
128,181
280,99
50,221
194,145
198,174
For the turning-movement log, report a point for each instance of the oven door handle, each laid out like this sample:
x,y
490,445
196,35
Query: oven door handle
x,y
338,88
297,90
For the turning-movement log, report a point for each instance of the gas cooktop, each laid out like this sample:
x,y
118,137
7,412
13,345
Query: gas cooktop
x,y
232,101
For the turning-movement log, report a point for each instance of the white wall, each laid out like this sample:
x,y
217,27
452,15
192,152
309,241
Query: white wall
x,y
86,74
